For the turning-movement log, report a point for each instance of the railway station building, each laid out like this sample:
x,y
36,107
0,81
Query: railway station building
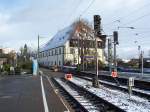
x,y
71,46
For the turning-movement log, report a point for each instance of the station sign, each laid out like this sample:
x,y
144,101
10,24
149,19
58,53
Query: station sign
x,y
91,57
131,81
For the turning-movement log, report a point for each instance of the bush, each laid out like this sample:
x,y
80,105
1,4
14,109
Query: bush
x,y
78,68
6,67
26,66
17,70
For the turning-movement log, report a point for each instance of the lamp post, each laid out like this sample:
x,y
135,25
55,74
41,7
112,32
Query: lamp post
x,y
38,48
142,52
39,45
141,60
110,54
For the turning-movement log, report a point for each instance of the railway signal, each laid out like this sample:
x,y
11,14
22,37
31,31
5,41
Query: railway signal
x,y
97,23
115,35
97,32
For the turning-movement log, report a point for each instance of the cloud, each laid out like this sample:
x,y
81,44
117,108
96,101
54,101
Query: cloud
x,y
22,20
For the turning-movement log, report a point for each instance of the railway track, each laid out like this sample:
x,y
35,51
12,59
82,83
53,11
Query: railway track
x,y
81,99
140,84
138,92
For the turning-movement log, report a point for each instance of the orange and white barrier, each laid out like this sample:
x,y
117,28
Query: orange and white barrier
x,y
114,74
68,76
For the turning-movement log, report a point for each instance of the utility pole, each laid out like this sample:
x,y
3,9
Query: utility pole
x,y
78,51
38,48
38,54
78,23
97,32
139,53
115,35
96,54
110,54
115,62
142,62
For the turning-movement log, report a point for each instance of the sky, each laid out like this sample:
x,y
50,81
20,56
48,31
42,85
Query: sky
x,y
21,21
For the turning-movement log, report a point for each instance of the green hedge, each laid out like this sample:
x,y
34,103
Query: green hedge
x,y
6,67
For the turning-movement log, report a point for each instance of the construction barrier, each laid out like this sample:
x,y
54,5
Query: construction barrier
x,y
114,74
68,76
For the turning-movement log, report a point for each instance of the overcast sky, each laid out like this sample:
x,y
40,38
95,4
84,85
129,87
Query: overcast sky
x,y
22,20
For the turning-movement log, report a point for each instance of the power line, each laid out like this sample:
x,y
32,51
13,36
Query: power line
x,y
91,3
74,10
126,16
135,11
71,12
77,6
139,18
135,20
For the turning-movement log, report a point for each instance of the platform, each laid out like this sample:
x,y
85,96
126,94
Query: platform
x,y
24,94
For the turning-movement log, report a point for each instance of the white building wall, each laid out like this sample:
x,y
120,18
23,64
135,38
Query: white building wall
x,y
69,56
66,55
52,59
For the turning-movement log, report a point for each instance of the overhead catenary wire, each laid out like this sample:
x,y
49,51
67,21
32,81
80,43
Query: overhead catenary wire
x,y
138,18
85,10
127,16
133,21
73,11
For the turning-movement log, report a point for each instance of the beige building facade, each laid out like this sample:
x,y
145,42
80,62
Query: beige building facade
x,y
65,48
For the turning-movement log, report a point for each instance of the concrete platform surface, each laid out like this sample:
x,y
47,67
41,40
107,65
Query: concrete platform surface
x,y
24,94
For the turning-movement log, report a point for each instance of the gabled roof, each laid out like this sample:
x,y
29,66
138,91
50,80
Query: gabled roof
x,y
62,36
59,39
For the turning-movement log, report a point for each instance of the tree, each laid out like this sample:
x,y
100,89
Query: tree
x,y
85,36
121,63
25,50
133,63
21,51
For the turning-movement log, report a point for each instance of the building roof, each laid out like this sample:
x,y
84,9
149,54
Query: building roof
x,y
65,34
59,39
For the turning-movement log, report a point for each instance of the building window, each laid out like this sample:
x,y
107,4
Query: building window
x,y
59,50
46,53
73,43
52,52
59,62
49,52
39,55
99,44
56,51
43,54
72,51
